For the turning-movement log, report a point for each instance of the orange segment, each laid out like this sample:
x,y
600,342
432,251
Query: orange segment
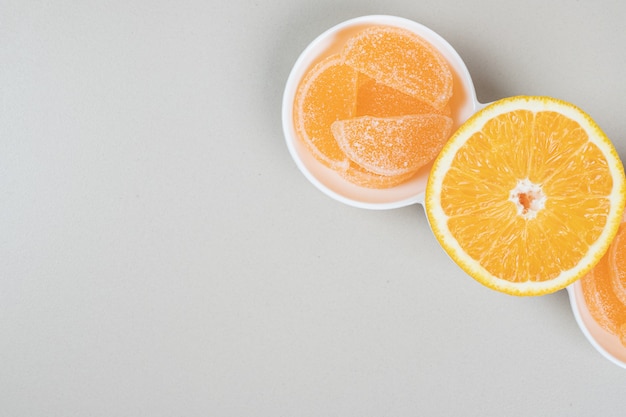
x,y
402,60
379,100
394,145
604,301
527,195
326,94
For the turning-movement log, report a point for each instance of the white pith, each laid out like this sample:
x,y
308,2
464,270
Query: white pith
x,y
528,198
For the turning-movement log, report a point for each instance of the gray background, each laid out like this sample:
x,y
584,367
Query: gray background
x,y
163,256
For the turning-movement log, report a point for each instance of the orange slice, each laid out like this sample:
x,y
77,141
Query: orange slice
x,y
527,195
402,60
379,100
604,301
393,145
326,94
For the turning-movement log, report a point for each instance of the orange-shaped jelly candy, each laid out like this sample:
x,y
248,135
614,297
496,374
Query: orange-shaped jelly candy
x,y
326,94
380,100
604,299
402,60
392,145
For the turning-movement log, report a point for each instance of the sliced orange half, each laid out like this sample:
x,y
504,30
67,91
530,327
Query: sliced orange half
x,y
527,195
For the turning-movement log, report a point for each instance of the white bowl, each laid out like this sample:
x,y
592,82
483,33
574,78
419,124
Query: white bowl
x,y
463,104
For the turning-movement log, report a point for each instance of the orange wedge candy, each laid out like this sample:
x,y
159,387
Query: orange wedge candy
x,y
379,100
392,145
326,94
402,60
603,288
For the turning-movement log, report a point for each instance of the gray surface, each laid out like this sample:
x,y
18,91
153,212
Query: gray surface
x,y
162,255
